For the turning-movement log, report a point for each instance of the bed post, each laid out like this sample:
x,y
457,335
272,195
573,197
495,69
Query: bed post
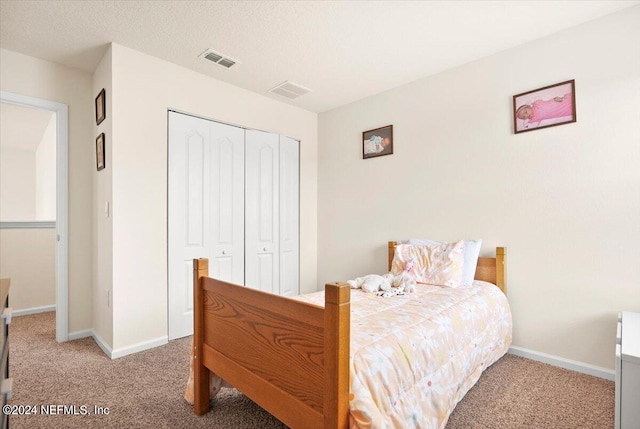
x,y
200,372
392,252
337,325
501,268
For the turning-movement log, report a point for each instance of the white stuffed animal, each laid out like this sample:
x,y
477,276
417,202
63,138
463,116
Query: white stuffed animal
x,y
404,283
406,286
372,283
404,279
385,285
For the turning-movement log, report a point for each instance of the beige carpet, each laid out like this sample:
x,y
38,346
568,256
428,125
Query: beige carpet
x,y
145,390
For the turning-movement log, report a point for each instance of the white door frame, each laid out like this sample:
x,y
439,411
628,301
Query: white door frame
x,y
62,198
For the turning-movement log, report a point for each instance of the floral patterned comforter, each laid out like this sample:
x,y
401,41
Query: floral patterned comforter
x,y
414,357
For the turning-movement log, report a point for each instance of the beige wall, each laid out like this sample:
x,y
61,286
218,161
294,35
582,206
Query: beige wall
x,y
46,173
33,77
27,164
103,221
17,185
144,88
564,200
28,257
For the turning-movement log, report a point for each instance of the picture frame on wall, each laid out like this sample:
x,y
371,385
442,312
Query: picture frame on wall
x,y
377,142
101,111
544,107
100,164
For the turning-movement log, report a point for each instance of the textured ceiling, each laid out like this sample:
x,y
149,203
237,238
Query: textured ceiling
x,y
342,50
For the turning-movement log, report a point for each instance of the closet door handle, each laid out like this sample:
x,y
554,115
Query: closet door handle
x,y
264,249
224,252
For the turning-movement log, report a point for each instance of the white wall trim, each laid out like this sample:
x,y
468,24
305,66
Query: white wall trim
x,y
80,334
62,201
145,345
28,225
585,368
34,310
102,344
115,354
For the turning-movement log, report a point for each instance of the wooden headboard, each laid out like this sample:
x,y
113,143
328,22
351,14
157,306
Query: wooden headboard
x,y
492,270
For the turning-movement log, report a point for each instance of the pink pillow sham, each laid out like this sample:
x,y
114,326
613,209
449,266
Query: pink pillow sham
x,y
436,264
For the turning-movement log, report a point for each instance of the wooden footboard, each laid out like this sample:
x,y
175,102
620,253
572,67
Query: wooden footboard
x,y
290,357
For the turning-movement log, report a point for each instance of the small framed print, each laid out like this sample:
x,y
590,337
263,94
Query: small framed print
x,y
377,142
100,152
544,107
101,112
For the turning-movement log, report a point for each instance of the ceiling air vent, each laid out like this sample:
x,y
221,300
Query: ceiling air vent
x,y
218,58
290,90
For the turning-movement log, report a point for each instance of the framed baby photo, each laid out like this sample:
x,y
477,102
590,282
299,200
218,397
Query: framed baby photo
x,y
100,107
544,107
100,152
377,142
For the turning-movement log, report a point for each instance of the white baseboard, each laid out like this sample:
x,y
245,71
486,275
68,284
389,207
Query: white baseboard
x,y
80,334
585,368
124,351
34,310
118,353
113,354
105,348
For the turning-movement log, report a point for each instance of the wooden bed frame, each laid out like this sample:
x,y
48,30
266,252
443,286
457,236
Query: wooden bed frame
x,y
290,357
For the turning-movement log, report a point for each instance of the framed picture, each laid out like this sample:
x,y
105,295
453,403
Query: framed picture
x,y
544,107
377,142
100,152
101,112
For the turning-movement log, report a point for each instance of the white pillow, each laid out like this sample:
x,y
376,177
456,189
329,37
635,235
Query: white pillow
x,y
471,253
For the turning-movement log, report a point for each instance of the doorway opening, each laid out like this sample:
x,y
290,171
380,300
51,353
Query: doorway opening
x,y
59,121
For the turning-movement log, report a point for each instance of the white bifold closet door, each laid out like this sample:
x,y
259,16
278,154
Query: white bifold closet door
x,y
289,217
262,218
205,209
233,197
227,203
272,213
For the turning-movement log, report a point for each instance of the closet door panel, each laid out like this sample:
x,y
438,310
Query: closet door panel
x,y
227,202
188,212
289,216
262,224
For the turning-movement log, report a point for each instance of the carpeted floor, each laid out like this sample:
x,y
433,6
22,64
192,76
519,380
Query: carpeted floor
x,y
145,390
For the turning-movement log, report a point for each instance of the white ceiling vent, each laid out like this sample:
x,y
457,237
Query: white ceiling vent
x,y
290,90
218,58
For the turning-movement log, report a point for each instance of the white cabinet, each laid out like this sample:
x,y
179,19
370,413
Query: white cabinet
x,y
233,197
628,371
